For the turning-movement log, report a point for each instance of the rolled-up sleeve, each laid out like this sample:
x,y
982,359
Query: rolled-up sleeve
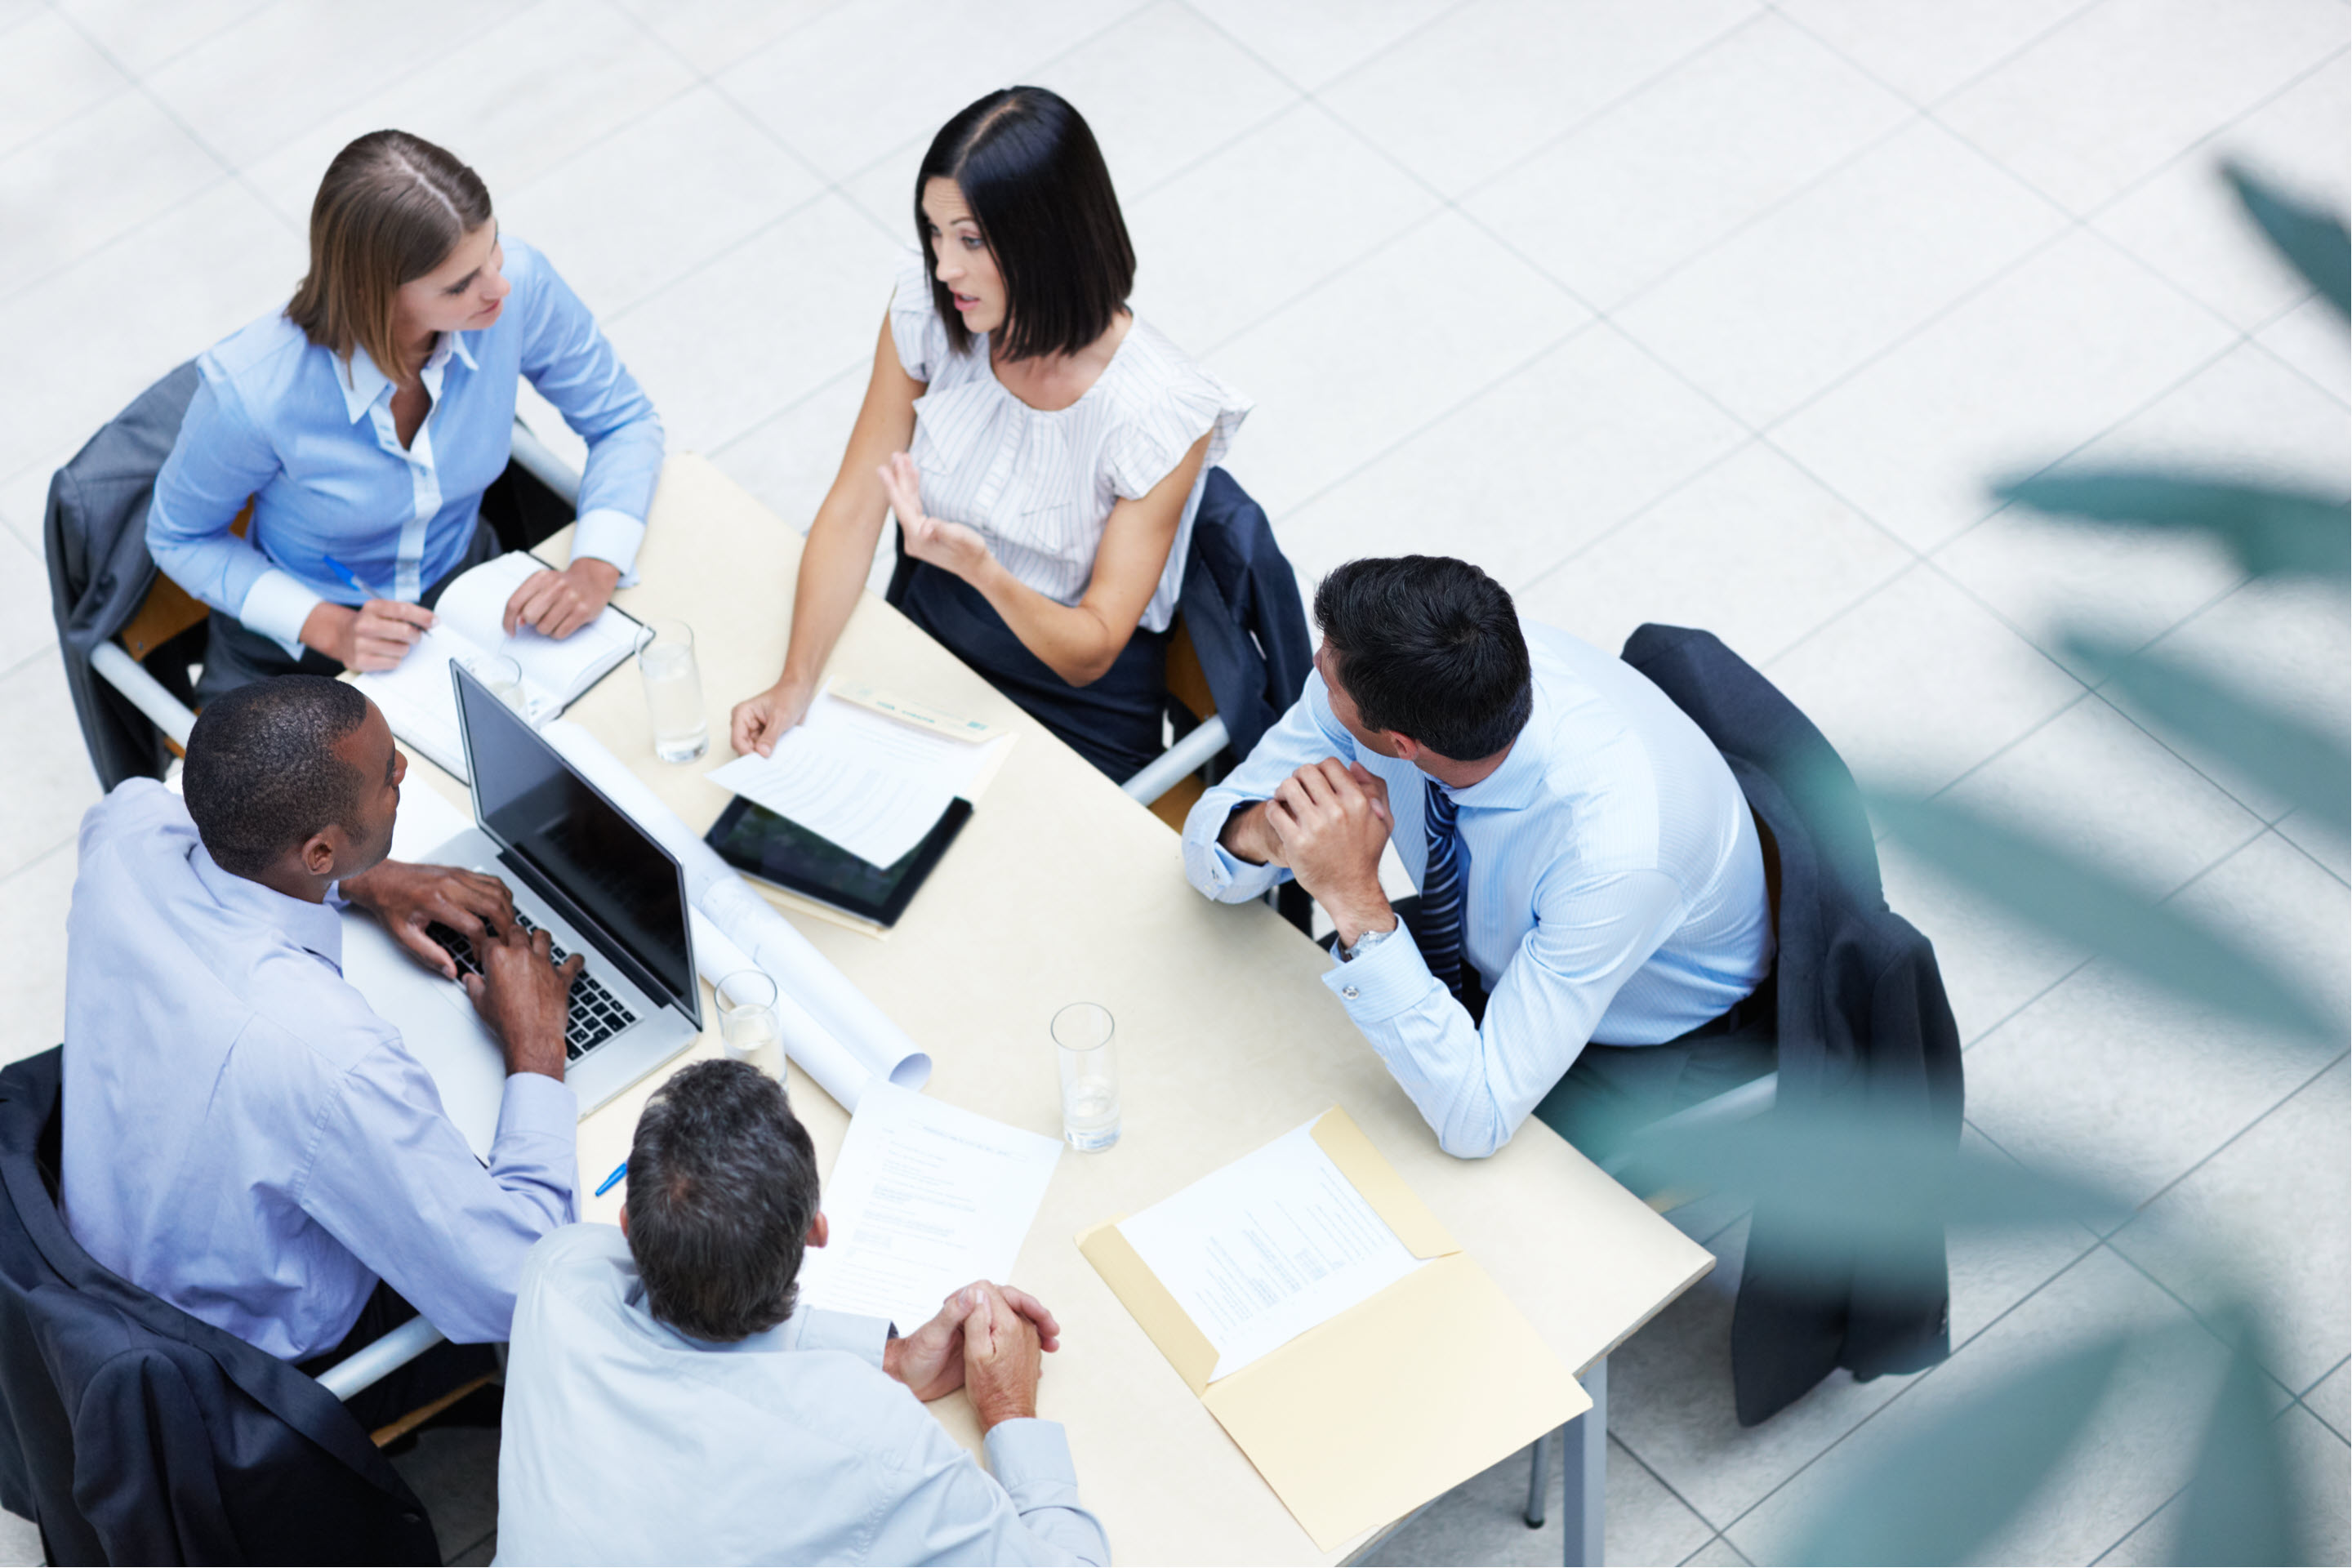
x,y
568,358
1307,734
219,461
392,1178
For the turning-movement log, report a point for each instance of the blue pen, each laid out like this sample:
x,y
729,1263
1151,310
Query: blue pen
x,y
618,1172
351,577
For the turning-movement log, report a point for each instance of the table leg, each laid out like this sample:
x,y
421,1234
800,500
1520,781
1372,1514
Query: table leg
x,y
1584,1464
1538,1481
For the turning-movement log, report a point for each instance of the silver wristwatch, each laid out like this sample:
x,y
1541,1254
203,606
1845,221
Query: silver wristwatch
x,y
1369,940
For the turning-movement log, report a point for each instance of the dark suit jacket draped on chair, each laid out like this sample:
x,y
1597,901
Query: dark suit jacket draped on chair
x,y
1865,1029
1241,606
134,1433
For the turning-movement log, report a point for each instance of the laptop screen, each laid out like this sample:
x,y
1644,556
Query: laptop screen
x,y
528,799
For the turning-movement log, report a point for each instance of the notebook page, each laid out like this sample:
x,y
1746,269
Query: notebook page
x,y
476,605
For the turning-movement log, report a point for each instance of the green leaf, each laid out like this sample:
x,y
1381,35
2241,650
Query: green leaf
x,y
1842,1185
2309,767
2314,242
2048,885
1941,1494
2272,532
2240,1504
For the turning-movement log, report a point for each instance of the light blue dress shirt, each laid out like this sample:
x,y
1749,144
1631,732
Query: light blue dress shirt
x,y
279,418
625,1441
1615,889
245,1138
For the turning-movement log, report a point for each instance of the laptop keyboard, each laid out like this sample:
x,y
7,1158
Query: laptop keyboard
x,y
596,1013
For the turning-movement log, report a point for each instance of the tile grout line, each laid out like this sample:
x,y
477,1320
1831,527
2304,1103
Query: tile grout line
x,y
2330,1065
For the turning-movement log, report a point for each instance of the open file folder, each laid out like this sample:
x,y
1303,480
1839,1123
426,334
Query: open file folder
x,y
1376,1410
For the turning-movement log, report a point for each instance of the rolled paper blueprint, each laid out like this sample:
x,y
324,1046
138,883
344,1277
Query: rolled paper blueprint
x,y
840,1071
843,1016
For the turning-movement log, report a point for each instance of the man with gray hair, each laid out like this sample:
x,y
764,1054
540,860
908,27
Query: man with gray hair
x,y
669,1399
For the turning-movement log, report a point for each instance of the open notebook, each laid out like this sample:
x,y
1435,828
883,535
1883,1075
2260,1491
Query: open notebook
x,y
417,696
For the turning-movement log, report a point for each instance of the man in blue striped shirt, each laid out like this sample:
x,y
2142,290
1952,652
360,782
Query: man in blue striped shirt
x,y
1589,870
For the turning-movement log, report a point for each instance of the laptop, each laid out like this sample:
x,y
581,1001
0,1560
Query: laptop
x,y
580,869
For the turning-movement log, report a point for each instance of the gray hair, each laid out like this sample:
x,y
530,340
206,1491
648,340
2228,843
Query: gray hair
x,y
723,1191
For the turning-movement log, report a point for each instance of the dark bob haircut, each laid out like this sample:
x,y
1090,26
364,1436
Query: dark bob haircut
x,y
1429,648
1035,183
723,1191
262,774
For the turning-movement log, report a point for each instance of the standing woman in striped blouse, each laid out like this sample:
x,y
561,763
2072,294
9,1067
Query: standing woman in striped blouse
x,y
1044,450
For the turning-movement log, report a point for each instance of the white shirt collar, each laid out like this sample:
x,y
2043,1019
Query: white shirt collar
x,y
366,384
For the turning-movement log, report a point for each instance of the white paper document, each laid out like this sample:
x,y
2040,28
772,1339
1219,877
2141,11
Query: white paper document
x,y
871,784
1267,1248
925,1199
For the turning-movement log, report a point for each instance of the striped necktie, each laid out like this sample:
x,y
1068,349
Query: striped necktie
x,y
1437,929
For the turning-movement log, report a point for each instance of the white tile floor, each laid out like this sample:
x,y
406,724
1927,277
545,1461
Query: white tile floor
x,y
1707,311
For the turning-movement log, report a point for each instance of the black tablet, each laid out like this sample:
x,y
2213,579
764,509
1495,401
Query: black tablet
x,y
759,843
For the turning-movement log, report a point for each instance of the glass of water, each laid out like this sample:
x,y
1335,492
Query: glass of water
x,y
673,691
747,1021
1081,1039
502,677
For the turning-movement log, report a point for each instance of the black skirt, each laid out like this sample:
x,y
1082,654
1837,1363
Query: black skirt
x,y
1114,723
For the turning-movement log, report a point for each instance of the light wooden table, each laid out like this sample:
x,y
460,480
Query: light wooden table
x,y
1062,890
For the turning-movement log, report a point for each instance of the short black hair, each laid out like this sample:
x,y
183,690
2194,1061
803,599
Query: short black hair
x,y
1430,647
1029,170
262,776
723,1191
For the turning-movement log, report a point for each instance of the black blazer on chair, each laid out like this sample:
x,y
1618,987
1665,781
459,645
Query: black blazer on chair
x,y
131,1432
1865,1028
1241,606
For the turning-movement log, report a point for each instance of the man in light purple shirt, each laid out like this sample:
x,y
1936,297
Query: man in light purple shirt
x,y
244,1137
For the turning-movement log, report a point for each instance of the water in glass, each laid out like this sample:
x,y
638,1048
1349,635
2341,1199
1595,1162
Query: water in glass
x,y
1083,1033
674,692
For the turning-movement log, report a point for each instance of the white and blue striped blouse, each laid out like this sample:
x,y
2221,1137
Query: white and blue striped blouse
x,y
1039,484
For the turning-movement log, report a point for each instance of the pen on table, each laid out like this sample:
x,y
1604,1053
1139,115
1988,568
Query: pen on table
x,y
618,1172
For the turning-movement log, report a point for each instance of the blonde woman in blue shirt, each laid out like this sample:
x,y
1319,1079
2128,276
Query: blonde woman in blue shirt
x,y
365,420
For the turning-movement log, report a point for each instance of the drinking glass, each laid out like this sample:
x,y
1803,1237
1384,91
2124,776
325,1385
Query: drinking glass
x,y
1082,1039
747,1021
673,691
502,677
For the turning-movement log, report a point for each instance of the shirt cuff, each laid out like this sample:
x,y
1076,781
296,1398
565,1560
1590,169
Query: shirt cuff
x,y
1385,980
277,606
860,1336
606,535
536,1105
1031,1461
1216,870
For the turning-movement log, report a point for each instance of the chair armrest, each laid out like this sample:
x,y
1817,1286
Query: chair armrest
x,y
1751,1099
371,1363
146,693
543,465
1186,755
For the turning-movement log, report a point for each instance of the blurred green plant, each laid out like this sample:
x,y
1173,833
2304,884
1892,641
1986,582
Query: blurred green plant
x,y
1946,1491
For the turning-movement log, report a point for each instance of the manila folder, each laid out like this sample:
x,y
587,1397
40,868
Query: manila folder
x,y
1365,1417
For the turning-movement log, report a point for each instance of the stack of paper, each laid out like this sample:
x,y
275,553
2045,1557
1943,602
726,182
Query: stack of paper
x,y
924,1199
872,784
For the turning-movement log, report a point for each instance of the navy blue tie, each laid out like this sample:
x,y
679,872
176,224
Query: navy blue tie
x,y
1437,929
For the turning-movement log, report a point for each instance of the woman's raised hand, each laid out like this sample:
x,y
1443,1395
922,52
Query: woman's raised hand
x,y
950,546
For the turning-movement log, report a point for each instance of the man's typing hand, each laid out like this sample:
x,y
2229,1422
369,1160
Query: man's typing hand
x,y
407,898
524,997
1331,820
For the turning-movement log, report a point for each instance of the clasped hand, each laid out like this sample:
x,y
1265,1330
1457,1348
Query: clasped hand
x,y
950,546
987,1337
1326,822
